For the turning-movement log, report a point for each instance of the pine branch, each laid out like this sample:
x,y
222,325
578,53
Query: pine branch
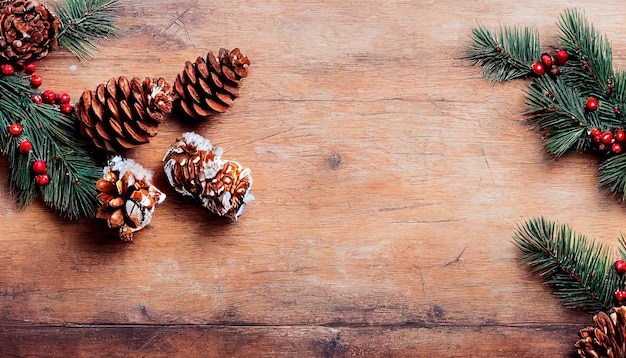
x,y
612,176
580,270
505,55
85,22
73,171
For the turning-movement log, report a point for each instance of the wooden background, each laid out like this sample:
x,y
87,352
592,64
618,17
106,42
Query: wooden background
x,y
389,178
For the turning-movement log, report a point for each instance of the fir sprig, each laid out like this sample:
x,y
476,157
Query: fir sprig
x,y
506,54
84,23
580,269
73,171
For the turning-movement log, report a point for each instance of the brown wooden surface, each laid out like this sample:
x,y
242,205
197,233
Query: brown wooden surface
x,y
389,178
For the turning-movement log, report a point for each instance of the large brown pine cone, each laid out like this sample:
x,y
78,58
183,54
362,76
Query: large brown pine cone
x,y
607,339
27,31
194,168
123,113
210,86
127,197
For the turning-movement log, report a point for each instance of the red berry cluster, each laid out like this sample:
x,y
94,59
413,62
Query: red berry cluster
x,y
49,97
549,63
39,166
609,140
620,267
40,169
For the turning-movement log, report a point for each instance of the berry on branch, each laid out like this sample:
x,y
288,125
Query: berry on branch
x,y
15,129
538,68
561,57
592,104
620,266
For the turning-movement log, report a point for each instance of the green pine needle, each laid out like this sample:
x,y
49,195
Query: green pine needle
x,y
73,171
580,269
612,175
519,49
84,23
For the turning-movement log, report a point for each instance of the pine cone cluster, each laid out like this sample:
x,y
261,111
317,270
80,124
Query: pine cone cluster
x,y
127,197
210,85
607,339
122,113
27,31
194,168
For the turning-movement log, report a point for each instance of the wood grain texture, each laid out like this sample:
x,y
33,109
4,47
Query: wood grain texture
x,y
389,178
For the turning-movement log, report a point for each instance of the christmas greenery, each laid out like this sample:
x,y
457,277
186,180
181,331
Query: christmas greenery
x,y
580,269
575,100
71,169
84,22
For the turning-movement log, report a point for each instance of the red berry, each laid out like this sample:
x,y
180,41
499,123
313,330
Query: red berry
x,y
39,166
49,96
64,98
15,129
42,179
616,148
620,267
592,104
29,68
597,138
37,99
499,48
7,69
606,138
595,132
26,146
561,57
66,108
620,136
36,81
615,110
538,68
546,59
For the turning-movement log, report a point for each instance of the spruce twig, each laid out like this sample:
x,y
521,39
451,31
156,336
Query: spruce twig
x,y
84,23
580,270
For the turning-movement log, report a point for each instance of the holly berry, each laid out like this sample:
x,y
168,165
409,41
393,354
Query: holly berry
x,y
620,295
538,68
620,136
7,69
620,267
49,96
37,99
561,57
592,104
595,132
39,166
42,179
63,98
15,129
26,146
616,148
66,108
606,138
498,48
29,68
36,81
546,58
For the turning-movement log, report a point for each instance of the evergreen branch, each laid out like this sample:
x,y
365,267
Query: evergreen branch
x,y
73,171
580,270
591,49
85,22
506,55
612,175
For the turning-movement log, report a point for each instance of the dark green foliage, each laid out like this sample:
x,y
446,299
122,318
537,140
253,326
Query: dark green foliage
x,y
580,269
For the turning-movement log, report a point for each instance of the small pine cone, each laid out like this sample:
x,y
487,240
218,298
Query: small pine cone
x,y
27,31
127,197
122,113
607,339
210,86
194,168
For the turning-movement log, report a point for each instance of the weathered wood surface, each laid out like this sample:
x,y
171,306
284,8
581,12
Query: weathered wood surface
x,y
389,178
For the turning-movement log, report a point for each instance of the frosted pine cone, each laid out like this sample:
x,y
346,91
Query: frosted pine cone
x,y
194,168
127,196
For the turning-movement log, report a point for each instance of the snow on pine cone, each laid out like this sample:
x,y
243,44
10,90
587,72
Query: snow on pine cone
x,y
607,339
27,31
127,196
210,85
123,113
194,168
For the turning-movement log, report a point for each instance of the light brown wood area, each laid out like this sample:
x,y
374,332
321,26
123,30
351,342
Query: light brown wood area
x,y
388,175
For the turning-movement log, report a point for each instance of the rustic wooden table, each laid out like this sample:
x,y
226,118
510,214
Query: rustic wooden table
x,y
388,178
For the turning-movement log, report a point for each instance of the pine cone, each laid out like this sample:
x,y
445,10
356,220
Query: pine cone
x,y
27,31
194,168
122,114
607,339
210,86
127,197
